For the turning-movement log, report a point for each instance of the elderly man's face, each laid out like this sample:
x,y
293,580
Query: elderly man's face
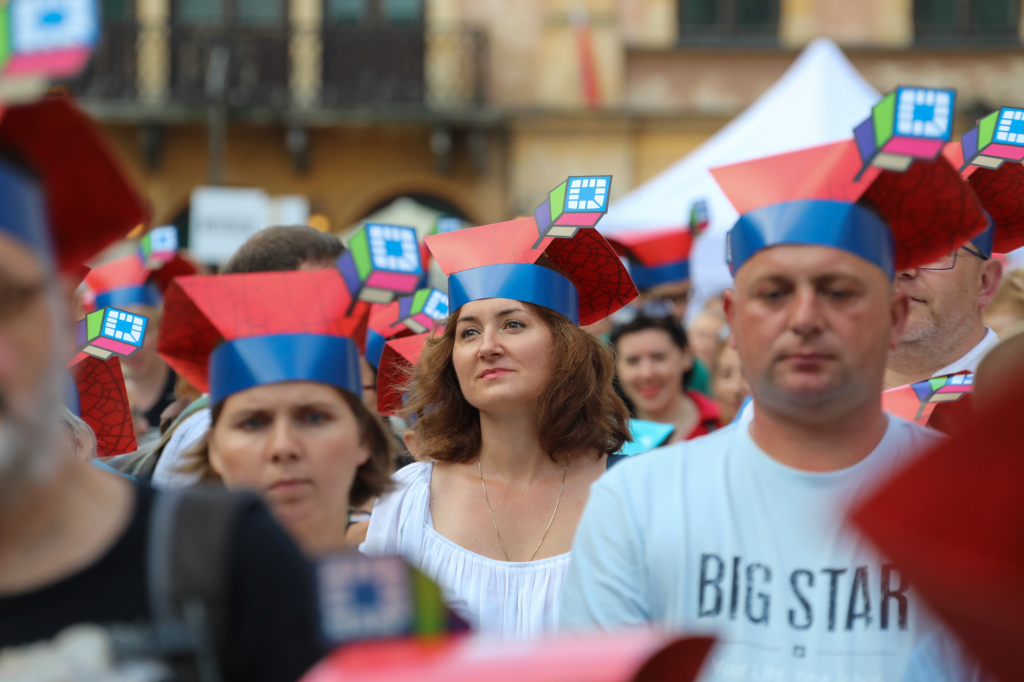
x,y
28,359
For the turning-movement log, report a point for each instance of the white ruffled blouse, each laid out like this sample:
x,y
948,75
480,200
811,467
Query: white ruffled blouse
x,y
512,600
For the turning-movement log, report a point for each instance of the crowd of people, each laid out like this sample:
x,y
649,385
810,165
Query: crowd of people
x,y
293,406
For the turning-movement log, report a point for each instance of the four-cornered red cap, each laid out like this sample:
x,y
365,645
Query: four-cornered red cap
x,y
396,362
951,525
809,197
229,333
128,281
655,256
586,281
103,404
385,323
89,201
1001,191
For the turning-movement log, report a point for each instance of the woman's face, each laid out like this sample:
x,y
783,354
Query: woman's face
x,y
299,444
728,384
503,354
703,336
650,367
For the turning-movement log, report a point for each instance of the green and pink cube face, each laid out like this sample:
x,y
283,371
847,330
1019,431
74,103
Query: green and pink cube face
x,y
578,202
420,311
46,39
998,137
159,245
908,124
382,261
109,331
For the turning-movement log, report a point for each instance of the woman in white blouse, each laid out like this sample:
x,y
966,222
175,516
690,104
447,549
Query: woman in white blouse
x,y
515,417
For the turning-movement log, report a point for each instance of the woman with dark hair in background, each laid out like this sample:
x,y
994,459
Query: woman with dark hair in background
x,y
652,359
515,416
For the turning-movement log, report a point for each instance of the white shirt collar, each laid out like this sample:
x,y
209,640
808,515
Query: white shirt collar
x,y
969,362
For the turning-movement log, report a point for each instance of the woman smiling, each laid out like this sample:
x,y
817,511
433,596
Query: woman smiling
x,y
286,396
515,417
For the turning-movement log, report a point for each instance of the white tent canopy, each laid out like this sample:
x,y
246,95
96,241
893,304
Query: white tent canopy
x,y
819,99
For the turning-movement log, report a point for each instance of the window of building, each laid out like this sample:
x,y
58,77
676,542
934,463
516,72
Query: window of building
x,y
117,10
347,11
718,20
199,11
402,11
259,12
937,21
249,12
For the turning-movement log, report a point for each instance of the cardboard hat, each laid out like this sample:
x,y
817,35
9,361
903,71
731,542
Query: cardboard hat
x,y
994,171
229,333
585,280
655,256
951,522
60,184
415,314
102,403
129,281
810,197
397,359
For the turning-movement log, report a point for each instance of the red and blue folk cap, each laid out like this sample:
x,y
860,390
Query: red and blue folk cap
x,y
825,196
655,256
230,333
128,281
62,193
580,276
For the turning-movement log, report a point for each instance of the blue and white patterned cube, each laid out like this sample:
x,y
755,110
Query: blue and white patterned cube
x,y
588,194
124,326
382,261
52,25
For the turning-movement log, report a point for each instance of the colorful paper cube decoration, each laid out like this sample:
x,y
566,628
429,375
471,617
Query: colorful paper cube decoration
x,y
577,202
159,245
915,402
908,124
998,137
109,331
46,38
419,311
646,436
364,597
699,217
381,261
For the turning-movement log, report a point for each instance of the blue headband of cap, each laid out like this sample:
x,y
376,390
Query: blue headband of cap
x,y
647,278
23,210
259,360
519,282
986,240
815,222
147,295
374,348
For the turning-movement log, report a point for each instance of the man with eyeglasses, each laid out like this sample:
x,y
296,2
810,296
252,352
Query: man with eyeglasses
x,y
945,332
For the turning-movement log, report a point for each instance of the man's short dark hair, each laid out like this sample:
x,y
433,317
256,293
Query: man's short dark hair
x,y
284,248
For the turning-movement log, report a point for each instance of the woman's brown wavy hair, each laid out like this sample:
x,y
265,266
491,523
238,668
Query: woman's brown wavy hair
x,y
578,410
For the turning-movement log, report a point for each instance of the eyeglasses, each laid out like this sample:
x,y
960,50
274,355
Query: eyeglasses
x,y
948,262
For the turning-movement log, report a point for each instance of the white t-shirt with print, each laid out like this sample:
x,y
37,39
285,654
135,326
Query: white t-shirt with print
x,y
715,536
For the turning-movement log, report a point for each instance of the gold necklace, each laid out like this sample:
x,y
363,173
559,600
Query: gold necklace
x,y
481,470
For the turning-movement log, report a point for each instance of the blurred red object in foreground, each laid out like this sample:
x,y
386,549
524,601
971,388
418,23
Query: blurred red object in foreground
x,y
639,656
954,524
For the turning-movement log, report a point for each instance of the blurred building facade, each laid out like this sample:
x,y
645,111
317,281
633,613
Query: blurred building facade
x,y
479,107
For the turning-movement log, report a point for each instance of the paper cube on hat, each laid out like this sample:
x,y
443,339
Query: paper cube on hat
x,y
586,281
397,359
229,333
45,39
998,137
158,246
699,217
103,404
578,202
1001,191
109,331
420,311
375,597
810,197
908,124
82,202
128,281
384,323
655,256
951,523
916,402
382,261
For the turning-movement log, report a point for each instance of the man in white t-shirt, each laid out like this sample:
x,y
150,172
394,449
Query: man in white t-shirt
x,y
945,331
741,534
